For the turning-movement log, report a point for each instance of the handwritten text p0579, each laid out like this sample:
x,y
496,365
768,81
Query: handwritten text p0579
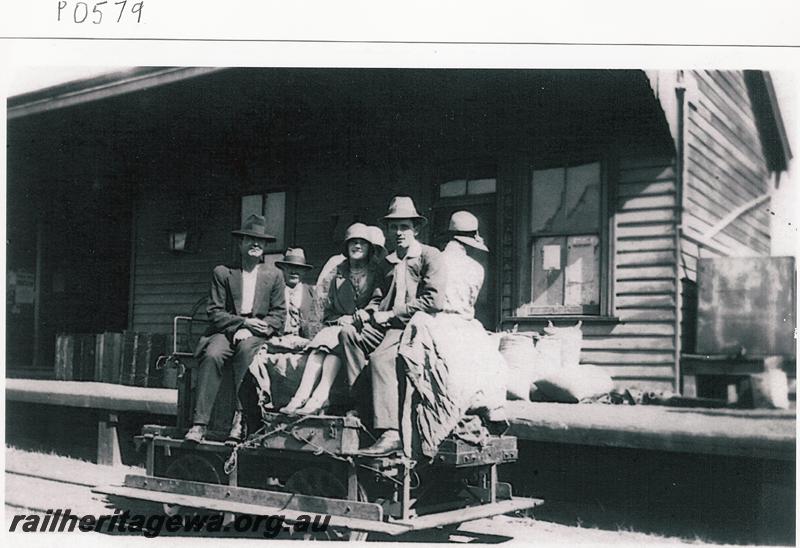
x,y
98,13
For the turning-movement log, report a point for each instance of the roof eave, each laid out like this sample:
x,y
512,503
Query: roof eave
x,y
101,87
768,119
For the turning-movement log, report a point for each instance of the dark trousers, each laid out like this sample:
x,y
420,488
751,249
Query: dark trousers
x,y
220,355
376,349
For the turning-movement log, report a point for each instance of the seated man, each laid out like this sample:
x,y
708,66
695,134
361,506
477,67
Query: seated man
x,y
277,367
246,306
413,281
299,296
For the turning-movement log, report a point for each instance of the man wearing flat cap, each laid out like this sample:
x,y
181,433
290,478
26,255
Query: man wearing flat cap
x,y
413,280
246,307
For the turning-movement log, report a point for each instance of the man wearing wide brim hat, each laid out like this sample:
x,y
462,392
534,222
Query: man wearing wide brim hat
x,y
255,226
299,296
402,207
246,306
413,281
294,257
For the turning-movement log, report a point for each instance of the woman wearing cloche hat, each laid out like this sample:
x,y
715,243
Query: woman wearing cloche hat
x,y
351,289
377,242
448,355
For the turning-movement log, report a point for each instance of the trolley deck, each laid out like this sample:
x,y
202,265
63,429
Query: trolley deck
x,y
310,467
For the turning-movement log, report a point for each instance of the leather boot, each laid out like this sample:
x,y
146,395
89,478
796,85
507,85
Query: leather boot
x,y
196,433
388,443
238,429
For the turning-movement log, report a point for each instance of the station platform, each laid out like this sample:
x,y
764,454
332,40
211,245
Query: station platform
x,y
749,433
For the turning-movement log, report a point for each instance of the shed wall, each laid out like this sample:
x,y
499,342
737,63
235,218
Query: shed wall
x,y
166,283
641,348
725,169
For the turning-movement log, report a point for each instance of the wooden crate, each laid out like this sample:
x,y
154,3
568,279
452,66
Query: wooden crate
x,y
457,452
75,357
84,358
65,348
140,350
338,435
108,357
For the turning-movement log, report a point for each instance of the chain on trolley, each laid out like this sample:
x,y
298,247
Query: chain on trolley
x,y
259,436
254,441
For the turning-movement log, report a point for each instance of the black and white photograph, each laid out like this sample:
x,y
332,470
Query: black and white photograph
x,y
438,302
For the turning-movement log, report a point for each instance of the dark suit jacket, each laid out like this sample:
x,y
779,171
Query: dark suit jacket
x,y
225,301
425,277
342,299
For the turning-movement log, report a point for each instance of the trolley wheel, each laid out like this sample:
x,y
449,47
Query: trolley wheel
x,y
318,482
191,467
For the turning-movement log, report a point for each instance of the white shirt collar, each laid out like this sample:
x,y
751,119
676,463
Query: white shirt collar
x,y
414,250
293,290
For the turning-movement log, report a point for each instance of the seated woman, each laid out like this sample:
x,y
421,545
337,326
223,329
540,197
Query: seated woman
x,y
449,358
351,288
378,253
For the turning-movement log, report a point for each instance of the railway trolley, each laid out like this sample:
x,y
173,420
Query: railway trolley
x,y
296,466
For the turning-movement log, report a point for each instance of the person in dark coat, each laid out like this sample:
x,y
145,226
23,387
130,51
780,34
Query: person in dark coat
x,y
246,307
352,288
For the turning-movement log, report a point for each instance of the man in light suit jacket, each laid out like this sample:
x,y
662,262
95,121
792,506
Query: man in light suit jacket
x,y
246,307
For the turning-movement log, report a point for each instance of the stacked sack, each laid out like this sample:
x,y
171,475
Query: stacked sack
x,y
546,366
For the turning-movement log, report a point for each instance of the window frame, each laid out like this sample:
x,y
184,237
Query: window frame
x,y
467,195
604,232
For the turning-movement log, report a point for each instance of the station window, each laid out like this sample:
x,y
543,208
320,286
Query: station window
x,y
467,187
565,240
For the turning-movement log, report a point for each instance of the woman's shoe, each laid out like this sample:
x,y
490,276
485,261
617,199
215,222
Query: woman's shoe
x,y
314,407
293,406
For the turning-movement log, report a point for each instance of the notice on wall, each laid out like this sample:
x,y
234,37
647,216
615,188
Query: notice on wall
x,y
581,284
551,257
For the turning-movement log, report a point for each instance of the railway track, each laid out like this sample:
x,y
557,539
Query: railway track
x,y
36,483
